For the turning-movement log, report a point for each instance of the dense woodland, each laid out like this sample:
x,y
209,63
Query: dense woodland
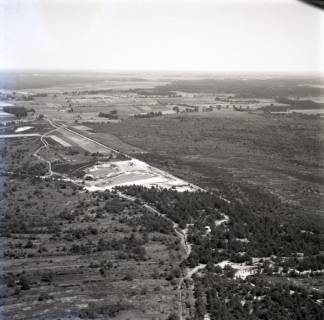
x,y
265,232
284,248
256,298
250,88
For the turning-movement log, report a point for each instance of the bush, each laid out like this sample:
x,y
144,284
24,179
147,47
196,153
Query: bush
x,y
44,296
94,310
173,316
47,277
24,283
10,281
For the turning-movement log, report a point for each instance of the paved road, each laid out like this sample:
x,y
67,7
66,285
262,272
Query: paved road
x,y
19,135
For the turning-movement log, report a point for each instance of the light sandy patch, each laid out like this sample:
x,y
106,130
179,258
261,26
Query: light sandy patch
x,y
82,127
22,129
132,172
242,270
221,221
244,240
185,233
19,135
6,115
60,141
192,271
208,229
5,104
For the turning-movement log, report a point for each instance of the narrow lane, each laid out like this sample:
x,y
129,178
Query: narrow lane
x,y
184,243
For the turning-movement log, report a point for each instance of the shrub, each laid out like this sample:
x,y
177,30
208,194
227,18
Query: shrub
x,y
24,283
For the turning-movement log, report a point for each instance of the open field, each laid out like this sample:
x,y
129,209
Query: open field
x,y
226,151
110,140
84,143
60,141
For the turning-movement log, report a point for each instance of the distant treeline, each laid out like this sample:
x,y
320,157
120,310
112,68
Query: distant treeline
x,y
112,115
18,81
292,104
17,111
301,104
148,115
247,88
157,92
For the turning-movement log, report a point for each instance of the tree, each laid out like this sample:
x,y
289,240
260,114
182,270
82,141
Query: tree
x,y
173,316
24,283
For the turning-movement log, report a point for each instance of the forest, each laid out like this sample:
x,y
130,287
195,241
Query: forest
x,y
257,298
250,88
282,248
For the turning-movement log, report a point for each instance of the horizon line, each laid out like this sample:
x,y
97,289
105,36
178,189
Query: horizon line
x,y
89,70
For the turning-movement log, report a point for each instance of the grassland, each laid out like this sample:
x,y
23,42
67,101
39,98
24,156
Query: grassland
x,y
235,153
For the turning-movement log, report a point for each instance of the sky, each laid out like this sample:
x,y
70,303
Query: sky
x,y
201,35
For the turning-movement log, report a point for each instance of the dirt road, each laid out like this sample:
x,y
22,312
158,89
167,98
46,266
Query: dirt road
x,y
184,243
45,146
